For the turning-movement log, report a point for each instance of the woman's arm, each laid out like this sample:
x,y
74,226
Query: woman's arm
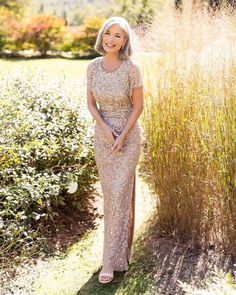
x,y
136,112
93,109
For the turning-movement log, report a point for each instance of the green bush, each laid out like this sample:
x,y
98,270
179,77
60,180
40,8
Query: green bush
x,y
45,147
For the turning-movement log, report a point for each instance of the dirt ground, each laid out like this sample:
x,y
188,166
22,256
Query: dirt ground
x,y
174,262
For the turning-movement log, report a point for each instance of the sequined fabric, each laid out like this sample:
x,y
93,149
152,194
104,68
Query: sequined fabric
x,y
113,93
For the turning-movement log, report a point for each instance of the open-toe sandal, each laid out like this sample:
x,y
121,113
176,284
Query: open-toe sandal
x,y
105,274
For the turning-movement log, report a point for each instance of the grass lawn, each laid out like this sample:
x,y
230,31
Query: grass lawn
x,y
71,69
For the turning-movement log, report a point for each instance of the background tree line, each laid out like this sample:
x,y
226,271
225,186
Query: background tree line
x,y
74,31
212,4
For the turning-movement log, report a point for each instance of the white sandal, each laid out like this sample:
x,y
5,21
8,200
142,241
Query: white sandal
x,y
105,274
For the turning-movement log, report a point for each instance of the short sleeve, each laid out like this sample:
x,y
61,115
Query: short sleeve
x,y
136,79
89,76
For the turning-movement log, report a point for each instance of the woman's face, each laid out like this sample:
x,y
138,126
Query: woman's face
x,y
113,39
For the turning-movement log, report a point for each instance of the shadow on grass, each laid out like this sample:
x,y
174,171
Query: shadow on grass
x,y
158,264
175,262
71,224
137,280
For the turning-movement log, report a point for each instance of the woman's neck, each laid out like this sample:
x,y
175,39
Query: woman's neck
x,y
111,57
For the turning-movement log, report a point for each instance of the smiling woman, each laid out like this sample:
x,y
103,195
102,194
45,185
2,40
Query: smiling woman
x,y
114,82
115,37
113,40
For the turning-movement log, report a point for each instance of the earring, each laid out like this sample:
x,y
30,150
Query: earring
x,y
122,47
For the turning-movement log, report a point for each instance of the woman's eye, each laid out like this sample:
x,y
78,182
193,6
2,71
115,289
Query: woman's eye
x,y
118,36
107,33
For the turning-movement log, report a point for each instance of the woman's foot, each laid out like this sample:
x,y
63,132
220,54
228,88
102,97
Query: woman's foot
x,y
106,275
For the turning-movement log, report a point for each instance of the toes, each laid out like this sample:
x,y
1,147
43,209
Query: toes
x,y
105,279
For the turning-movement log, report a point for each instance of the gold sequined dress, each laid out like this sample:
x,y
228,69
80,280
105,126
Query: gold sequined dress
x,y
113,93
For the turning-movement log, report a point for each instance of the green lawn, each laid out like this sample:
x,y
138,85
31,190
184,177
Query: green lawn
x,y
71,69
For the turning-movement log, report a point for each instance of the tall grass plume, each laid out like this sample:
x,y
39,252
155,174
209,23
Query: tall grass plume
x,y
190,124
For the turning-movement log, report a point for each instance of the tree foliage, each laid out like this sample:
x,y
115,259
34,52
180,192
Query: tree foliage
x,y
135,11
7,17
44,32
217,4
83,39
212,4
12,5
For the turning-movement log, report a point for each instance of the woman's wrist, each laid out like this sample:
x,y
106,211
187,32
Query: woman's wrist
x,y
123,136
103,124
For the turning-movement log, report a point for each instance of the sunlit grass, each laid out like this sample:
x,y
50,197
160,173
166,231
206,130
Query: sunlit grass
x,y
71,69
218,284
190,126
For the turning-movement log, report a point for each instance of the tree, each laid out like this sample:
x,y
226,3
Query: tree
x,y
82,41
15,39
7,17
12,5
217,4
41,8
137,12
179,5
65,17
44,32
214,5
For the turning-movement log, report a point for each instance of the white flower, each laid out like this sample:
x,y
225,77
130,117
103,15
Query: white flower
x,y
1,223
72,187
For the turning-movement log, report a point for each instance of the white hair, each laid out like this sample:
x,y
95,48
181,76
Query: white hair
x,y
127,49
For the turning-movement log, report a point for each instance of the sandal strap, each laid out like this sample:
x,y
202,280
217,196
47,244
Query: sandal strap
x,y
107,274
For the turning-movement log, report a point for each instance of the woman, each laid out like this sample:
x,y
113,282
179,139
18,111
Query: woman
x,y
114,82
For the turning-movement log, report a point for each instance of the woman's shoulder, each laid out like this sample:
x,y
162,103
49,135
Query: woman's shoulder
x,y
133,65
94,62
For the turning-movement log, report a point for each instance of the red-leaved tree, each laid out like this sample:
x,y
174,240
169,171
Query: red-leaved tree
x,y
44,32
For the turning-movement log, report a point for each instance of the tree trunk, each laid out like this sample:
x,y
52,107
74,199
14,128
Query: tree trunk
x,y
217,4
179,5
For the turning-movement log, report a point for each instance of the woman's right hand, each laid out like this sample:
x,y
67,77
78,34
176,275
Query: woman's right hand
x,y
110,133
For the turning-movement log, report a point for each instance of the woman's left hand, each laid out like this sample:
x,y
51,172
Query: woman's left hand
x,y
117,146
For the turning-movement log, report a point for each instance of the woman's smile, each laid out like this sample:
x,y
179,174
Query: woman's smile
x,y
110,45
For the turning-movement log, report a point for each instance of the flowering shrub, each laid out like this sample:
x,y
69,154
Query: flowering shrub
x,y
46,158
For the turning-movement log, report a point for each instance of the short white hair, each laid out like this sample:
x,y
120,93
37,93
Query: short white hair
x,y
127,50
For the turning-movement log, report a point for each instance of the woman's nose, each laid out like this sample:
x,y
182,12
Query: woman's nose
x,y
111,39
